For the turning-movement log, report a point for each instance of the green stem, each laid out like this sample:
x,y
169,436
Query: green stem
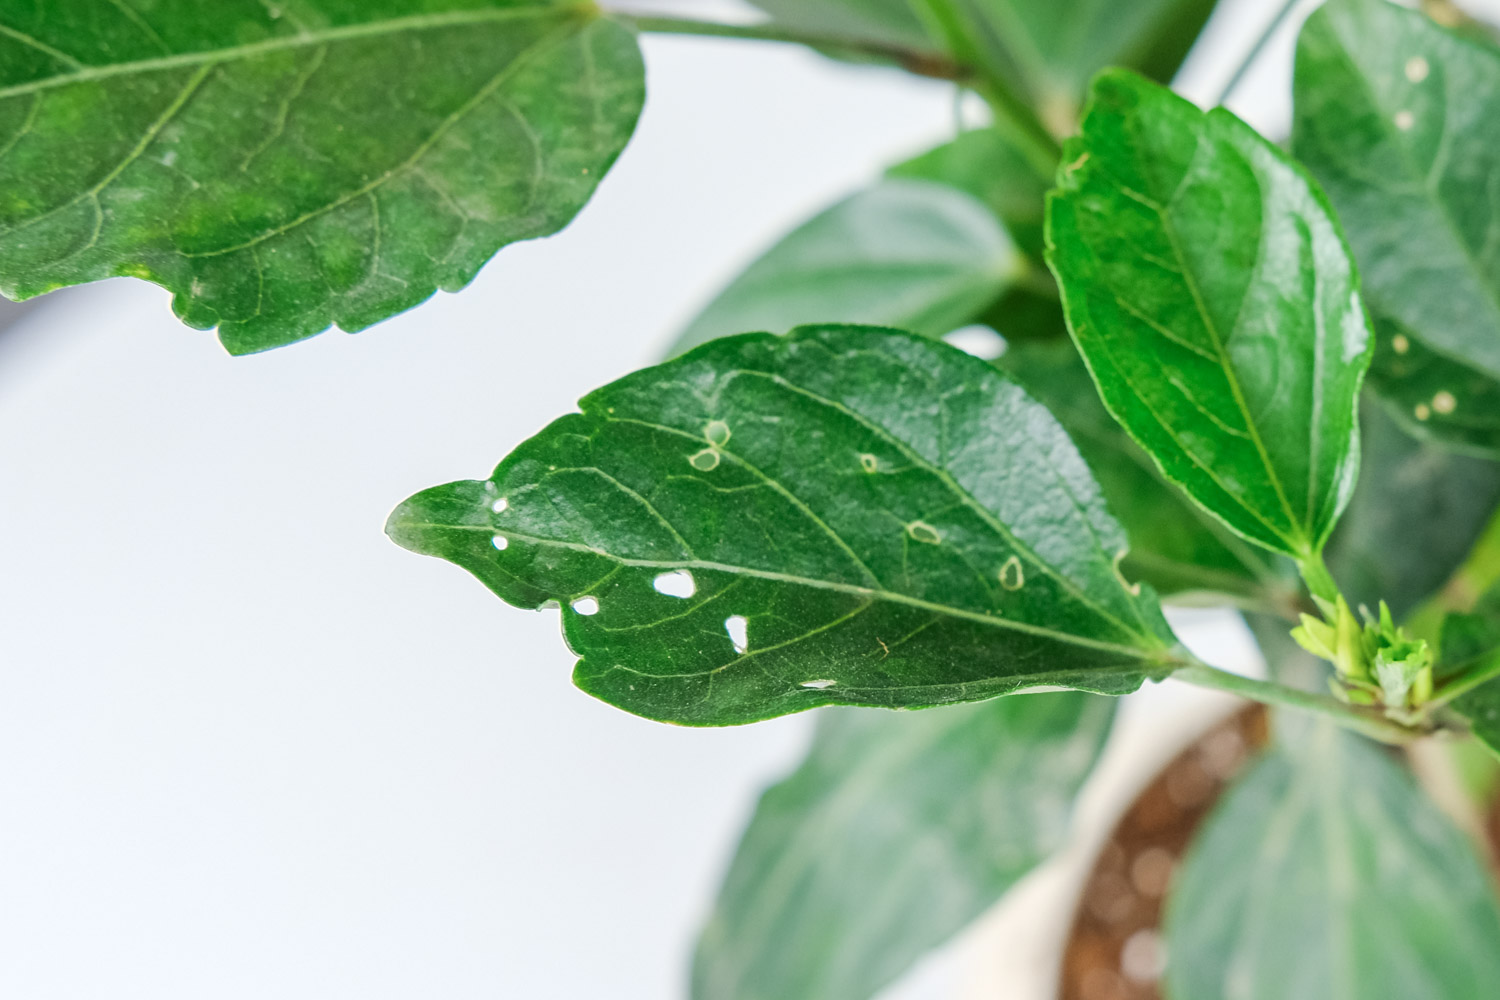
x,y
1255,51
923,63
1365,721
1319,581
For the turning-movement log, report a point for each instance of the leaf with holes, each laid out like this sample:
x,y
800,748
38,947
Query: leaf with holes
x,y
911,254
868,517
1400,121
284,167
1326,872
829,895
1210,291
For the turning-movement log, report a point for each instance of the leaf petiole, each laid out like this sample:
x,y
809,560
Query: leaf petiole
x,y
1364,721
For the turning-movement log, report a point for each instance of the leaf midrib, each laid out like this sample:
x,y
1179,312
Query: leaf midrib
x,y
391,26
874,593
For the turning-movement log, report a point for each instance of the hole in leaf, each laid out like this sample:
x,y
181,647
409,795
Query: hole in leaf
x,y
819,684
500,542
739,633
500,505
678,583
586,606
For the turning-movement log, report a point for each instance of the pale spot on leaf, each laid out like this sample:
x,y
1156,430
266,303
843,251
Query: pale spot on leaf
x,y
1012,574
717,432
1444,402
1400,344
1405,120
869,462
924,532
819,684
706,460
1422,411
1417,69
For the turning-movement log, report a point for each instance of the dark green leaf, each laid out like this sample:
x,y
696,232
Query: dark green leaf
x,y
861,517
1418,511
1433,395
1174,546
1210,292
910,254
984,163
1400,121
1325,872
284,167
895,833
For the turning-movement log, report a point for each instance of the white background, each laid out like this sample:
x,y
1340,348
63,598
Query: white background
x,y
249,748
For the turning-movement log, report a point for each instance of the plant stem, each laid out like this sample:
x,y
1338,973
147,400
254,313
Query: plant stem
x,y
1465,684
1255,50
930,63
1364,721
923,63
1319,581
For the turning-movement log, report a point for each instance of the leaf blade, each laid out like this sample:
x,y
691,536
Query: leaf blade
x,y
876,539
1325,872
908,254
283,185
1170,234
826,896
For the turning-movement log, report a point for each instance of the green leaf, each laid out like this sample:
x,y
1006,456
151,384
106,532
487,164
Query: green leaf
x,y
284,167
895,833
1400,121
910,254
1417,513
986,164
1434,396
1207,285
1470,655
1047,48
860,516
1060,44
1174,546
1325,872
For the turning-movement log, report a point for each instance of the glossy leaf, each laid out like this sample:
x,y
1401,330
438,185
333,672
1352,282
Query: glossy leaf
x,y
1435,396
284,167
1325,872
1174,546
895,833
859,516
1418,511
1208,288
1400,121
910,254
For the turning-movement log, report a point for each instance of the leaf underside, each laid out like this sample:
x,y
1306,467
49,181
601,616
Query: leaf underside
x,y
1210,291
1325,872
905,253
1471,644
847,515
285,167
895,833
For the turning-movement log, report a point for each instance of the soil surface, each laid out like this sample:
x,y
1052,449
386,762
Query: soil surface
x,y
1115,949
